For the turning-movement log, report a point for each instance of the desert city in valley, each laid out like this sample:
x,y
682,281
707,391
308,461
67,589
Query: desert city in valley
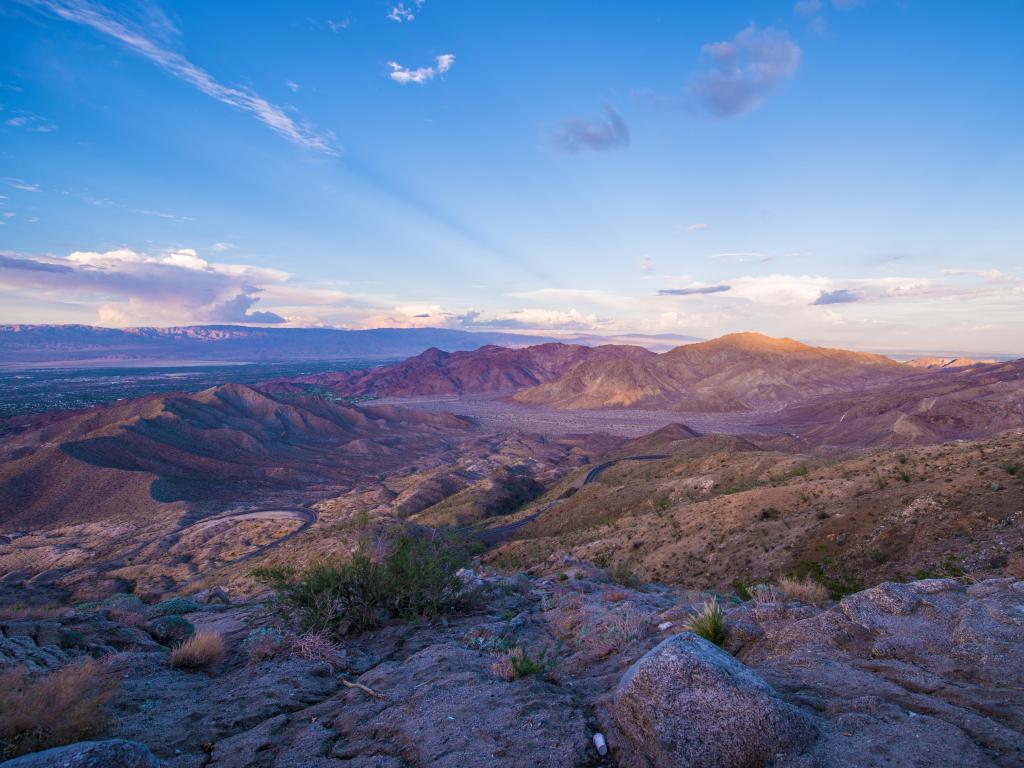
x,y
578,384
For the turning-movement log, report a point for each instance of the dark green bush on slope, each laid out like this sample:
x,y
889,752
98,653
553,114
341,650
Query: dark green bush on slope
x,y
413,579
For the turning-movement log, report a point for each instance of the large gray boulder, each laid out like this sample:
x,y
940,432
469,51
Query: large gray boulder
x,y
689,703
113,753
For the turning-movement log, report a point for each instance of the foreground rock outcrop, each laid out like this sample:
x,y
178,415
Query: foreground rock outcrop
x,y
925,674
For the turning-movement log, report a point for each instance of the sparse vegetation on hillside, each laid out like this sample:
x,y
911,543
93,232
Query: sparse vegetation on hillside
x,y
412,579
61,707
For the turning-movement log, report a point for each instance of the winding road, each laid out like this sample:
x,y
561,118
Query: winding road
x,y
501,532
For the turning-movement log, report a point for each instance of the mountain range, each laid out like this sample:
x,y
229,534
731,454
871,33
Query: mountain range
x,y
84,344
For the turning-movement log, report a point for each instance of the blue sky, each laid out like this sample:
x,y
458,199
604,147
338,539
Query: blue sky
x,y
842,172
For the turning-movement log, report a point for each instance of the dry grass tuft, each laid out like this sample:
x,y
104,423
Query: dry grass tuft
x,y
615,595
200,652
317,646
804,590
764,593
51,710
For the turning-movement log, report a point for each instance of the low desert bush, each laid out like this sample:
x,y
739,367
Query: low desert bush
x,y
199,652
805,590
708,622
763,593
264,643
175,607
516,663
413,578
54,709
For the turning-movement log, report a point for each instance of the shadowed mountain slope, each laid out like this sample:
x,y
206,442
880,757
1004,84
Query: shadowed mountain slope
x,y
227,443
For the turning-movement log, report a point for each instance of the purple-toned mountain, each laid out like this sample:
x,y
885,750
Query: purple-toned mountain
x,y
490,369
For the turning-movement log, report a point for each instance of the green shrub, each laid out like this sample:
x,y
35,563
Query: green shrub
x,y
770,513
1012,468
413,579
171,630
176,606
708,622
741,590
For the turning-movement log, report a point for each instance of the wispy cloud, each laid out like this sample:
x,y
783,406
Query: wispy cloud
x,y
697,290
338,25
740,73
743,256
419,76
29,121
696,227
574,135
24,186
401,12
106,21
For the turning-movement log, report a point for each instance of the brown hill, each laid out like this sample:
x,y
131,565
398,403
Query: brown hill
x,y
946,362
737,372
718,510
942,405
489,369
228,443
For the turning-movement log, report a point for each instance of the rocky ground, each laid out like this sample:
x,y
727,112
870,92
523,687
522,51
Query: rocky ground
x,y
926,673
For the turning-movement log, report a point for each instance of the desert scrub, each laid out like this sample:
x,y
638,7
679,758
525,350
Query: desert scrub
x,y
516,663
54,709
805,590
175,607
201,651
263,643
708,622
414,578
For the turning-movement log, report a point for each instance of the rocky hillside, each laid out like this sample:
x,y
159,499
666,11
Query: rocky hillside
x,y
722,508
737,372
225,444
944,405
924,674
490,369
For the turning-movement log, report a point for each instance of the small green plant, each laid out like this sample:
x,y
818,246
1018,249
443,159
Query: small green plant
x,y
770,513
516,663
1013,468
881,482
620,574
904,475
902,458
708,622
741,590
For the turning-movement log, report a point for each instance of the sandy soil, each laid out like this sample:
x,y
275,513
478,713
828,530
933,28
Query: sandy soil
x,y
498,413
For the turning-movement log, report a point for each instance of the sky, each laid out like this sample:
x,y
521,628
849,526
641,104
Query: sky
x,y
844,172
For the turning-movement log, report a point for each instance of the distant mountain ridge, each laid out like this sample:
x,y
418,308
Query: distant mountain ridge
x,y
735,372
48,344
488,370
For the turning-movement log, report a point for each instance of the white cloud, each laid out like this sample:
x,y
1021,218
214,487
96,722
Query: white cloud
x,y
105,20
292,86
338,25
696,227
401,12
419,76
